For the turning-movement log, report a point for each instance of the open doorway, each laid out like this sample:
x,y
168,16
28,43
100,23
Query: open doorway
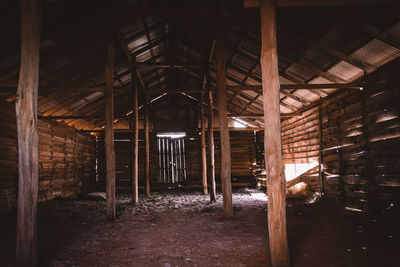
x,y
171,157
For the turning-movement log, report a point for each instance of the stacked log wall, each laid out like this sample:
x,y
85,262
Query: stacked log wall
x,y
66,159
242,149
242,156
359,137
361,141
300,149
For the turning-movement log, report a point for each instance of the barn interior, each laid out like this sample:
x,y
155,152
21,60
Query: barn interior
x,y
199,133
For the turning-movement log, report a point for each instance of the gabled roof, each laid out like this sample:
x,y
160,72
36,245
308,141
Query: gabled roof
x,y
316,45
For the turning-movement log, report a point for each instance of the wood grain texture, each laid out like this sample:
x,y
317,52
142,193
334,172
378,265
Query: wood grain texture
x,y
135,140
109,126
27,132
223,121
279,251
211,156
203,146
147,147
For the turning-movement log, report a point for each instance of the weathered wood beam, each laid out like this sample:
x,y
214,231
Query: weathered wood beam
x,y
223,120
279,252
147,147
167,65
46,90
211,162
203,146
299,3
109,125
135,139
69,117
308,86
27,132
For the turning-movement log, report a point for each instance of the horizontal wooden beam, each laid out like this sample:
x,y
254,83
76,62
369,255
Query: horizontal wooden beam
x,y
233,88
255,116
258,88
42,90
166,65
294,3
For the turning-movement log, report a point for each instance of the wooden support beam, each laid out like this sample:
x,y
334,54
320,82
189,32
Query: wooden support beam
x,y
135,139
69,117
320,154
109,125
147,147
279,250
203,146
47,90
211,161
258,88
223,121
167,65
28,136
294,3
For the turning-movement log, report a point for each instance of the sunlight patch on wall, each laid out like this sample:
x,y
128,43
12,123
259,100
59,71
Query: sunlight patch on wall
x,y
293,170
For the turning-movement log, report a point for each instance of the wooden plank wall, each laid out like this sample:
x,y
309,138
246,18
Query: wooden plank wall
x,y
361,141
300,148
242,147
66,158
242,153
123,153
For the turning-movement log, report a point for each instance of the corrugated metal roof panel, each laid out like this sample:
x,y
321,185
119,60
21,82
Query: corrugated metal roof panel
x,y
376,53
346,72
299,72
306,94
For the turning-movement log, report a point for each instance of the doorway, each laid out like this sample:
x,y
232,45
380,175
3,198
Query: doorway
x,y
171,158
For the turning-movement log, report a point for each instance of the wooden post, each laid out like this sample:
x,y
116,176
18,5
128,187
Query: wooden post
x,y
279,251
320,158
135,139
109,125
28,136
203,144
223,121
146,133
211,165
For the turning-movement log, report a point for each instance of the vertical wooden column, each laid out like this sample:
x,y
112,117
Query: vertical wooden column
x,y
147,148
109,125
320,158
203,144
279,251
135,139
223,121
28,136
211,164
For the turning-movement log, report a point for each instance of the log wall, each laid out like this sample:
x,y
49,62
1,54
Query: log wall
x,y
242,156
242,147
361,141
300,149
123,154
66,159
359,137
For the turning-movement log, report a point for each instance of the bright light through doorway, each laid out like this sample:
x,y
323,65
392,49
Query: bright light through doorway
x,y
172,135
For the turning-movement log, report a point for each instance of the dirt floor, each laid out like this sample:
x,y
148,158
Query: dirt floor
x,y
185,229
